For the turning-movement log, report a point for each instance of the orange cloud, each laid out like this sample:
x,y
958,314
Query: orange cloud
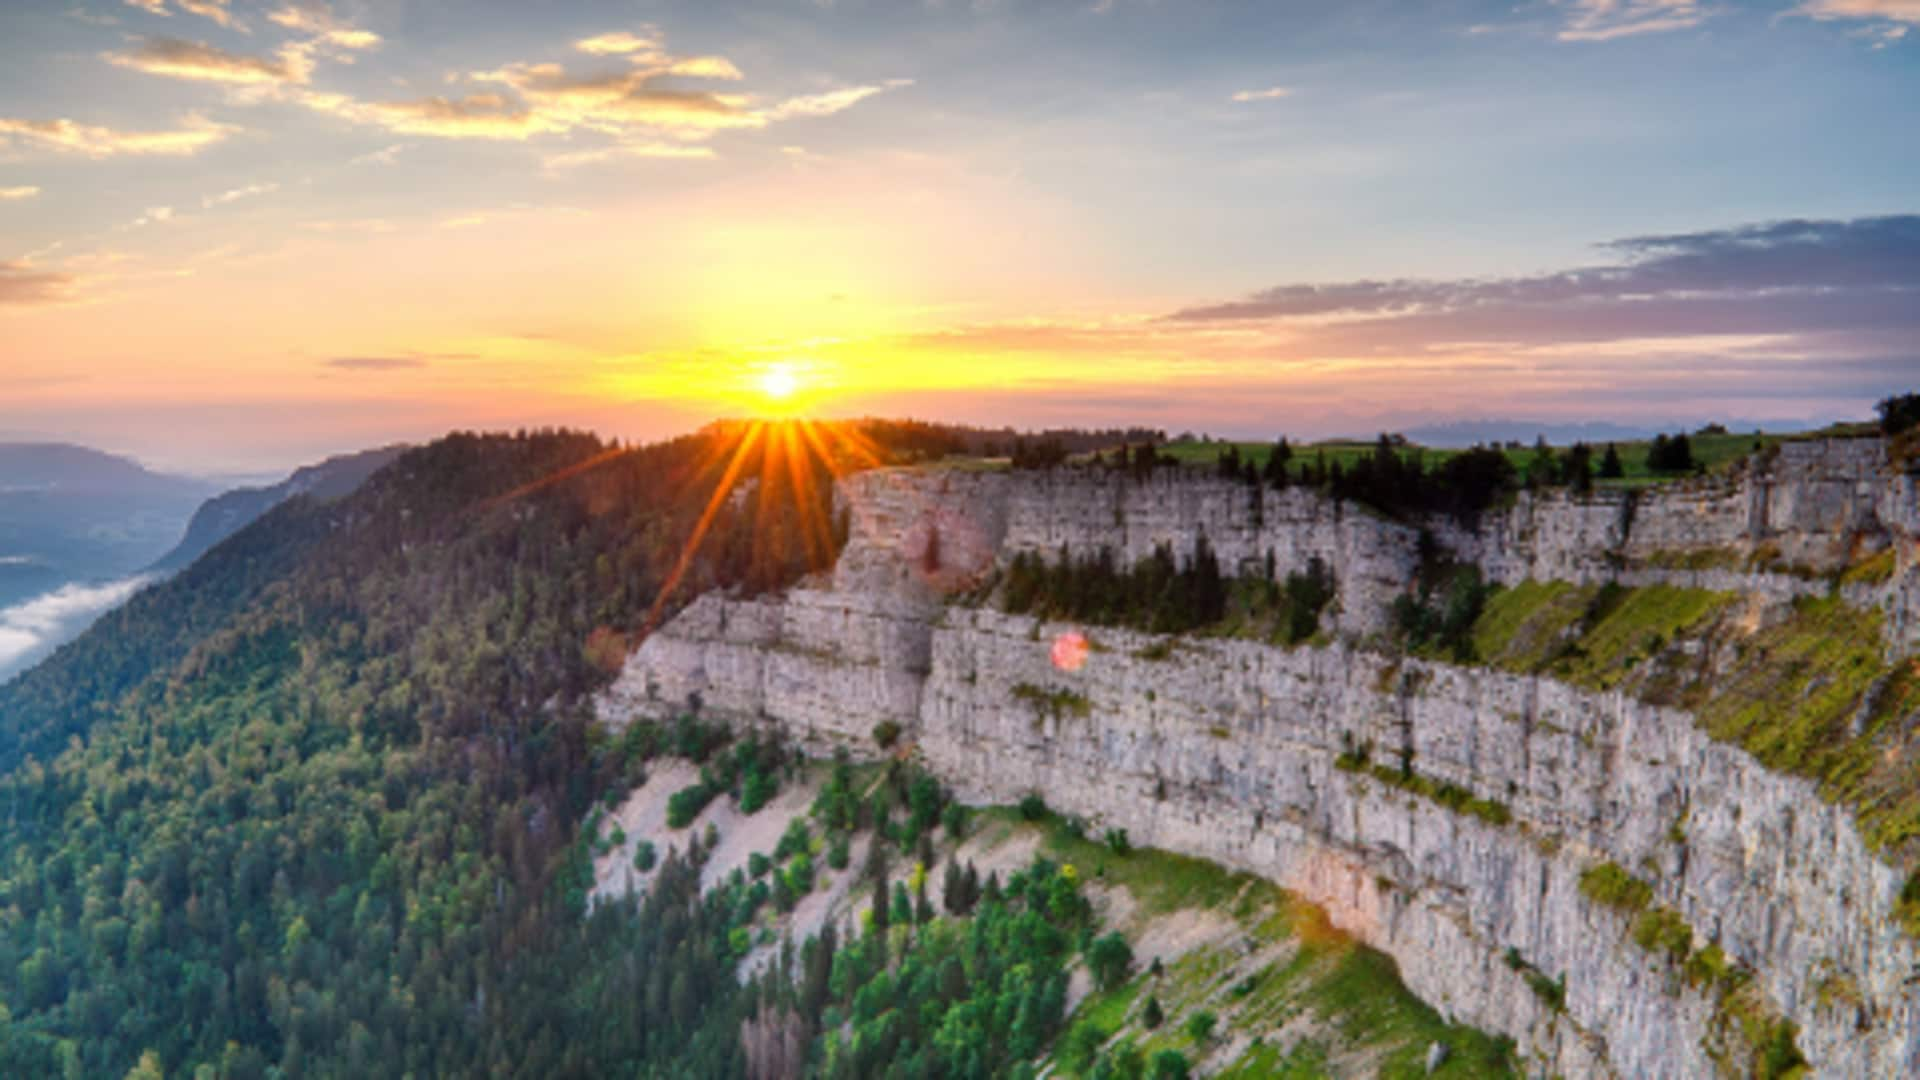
x,y
216,10
637,107
832,101
175,58
196,134
614,44
22,285
1893,10
1605,20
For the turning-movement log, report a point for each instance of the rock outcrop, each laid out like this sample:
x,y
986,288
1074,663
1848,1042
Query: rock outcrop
x,y
1250,754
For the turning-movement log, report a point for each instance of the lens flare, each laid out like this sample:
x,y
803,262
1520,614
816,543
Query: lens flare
x,y
1070,650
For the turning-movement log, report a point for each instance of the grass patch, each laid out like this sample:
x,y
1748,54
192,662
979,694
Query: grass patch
x,y
1519,626
1306,1060
1441,792
1712,452
1627,627
1811,695
1355,996
1873,570
1355,990
1592,636
1746,1037
1056,702
1107,1011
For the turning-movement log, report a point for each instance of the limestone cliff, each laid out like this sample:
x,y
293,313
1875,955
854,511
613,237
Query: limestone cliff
x,y
1465,858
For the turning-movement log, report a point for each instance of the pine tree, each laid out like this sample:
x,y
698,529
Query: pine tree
x,y
1611,467
1153,1016
879,904
1276,471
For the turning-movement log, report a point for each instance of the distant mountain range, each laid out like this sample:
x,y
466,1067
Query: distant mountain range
x,y
229,512
81,530
69,513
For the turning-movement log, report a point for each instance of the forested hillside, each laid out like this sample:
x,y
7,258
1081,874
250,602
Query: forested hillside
x,y
314,802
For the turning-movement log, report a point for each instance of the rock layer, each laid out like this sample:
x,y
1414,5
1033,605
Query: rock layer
x,y
1227,749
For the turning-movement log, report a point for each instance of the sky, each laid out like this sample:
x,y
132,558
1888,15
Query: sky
x,y
236,236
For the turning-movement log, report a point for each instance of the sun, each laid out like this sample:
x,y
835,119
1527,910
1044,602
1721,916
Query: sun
x,y
779,383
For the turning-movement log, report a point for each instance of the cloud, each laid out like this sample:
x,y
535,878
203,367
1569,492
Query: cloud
x,y
216,10
386,156
376,363
832,101
209,9
638,98
642,108
195,134
667,151
1907,11
1822,314
1605,20
1272,93
1777,261
237,194
21,285
1887,21
615,43
475,116
176,58
12,194
317,19
33,628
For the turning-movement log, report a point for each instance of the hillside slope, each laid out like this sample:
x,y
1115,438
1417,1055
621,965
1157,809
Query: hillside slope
x,y
312,804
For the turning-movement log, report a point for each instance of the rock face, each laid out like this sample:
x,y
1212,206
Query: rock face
x,y
1231,749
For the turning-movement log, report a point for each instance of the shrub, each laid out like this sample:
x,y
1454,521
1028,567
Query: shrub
x,y
1200,1025
1899,414
644,856
1662,930
1605,883
1033,807
794,841
1907,908
1118,842
954,820
1110,959
1082,1045
1153,1016
1171,1065
885,734
1708,967
757,790
1551,991
686,804
800,874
